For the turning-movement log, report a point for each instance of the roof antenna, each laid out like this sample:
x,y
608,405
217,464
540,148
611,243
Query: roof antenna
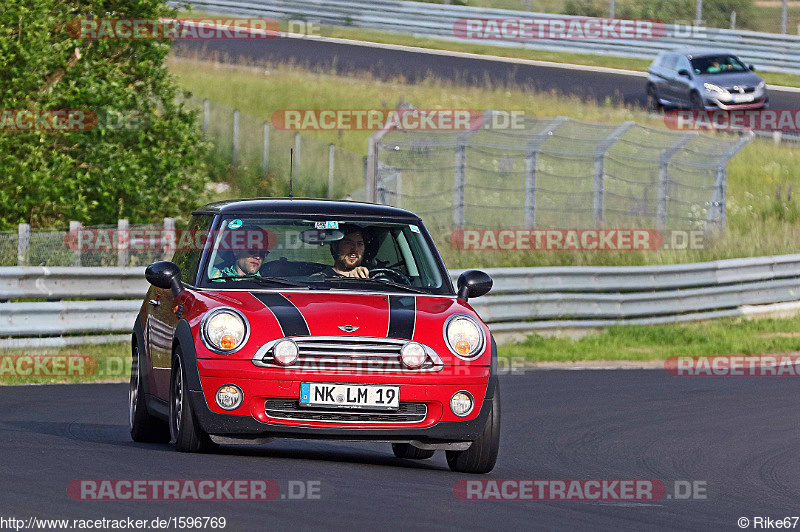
x,y
291,168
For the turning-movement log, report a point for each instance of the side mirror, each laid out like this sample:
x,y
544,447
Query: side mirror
x,y
473,283
165,274
683,72
752,67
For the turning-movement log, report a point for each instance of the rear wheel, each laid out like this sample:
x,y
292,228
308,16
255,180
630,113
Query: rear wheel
x,y
409,452
482,454
144,427
653,102
185,434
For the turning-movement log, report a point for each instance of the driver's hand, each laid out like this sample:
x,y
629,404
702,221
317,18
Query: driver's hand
x,y
360,271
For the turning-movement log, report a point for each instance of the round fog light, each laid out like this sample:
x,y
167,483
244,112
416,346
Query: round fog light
x,y
285,352
413,355
229,397
461,403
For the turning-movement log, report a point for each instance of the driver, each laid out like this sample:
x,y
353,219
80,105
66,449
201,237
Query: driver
x,y
348,253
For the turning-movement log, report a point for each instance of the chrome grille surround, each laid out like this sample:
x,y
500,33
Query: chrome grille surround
x,y
347,353
290,410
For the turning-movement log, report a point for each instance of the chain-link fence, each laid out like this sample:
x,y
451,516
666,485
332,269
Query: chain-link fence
x,y
320,169
97,245
557,173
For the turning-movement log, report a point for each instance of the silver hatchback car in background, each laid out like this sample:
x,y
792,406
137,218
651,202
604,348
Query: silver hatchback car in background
x,y
704,79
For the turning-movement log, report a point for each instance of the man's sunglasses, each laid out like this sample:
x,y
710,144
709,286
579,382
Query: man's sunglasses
x,y
257,253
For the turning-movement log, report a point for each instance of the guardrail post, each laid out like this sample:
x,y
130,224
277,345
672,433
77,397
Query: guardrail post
x,y
459,180
206,115
598,200
265,149
235,150
371,170
398,202
75,228
460,170
23,241
168,239
297,141
662,202
530,169
331,158
717,210
123,243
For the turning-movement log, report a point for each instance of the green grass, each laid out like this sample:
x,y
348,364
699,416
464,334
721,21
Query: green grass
x,y
90,363
658,342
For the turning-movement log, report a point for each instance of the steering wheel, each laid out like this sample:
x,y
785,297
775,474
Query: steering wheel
x,y
392,275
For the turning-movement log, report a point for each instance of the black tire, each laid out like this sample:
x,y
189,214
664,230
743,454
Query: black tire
x,y
696,102
409,452
185,434
653,103
144,426
482,454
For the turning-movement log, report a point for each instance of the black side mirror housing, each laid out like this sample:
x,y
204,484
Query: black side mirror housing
x,y
683,72
165,274
473,283
753,68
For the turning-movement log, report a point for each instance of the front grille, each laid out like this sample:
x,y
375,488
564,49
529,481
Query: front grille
x,y
352,354
291,410
735,90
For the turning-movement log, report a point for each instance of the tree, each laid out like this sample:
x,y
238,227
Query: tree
x,y
151,167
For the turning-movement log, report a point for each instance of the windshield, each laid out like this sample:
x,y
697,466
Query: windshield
x,y
717,64
252,253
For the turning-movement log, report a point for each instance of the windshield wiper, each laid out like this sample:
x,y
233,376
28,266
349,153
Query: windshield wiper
x,y
262,280
381,281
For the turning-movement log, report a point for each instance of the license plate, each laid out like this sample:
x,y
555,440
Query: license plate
x,y
740,98
374,397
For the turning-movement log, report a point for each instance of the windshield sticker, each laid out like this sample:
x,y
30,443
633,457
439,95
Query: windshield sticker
x,y
326,225
234,224
414,228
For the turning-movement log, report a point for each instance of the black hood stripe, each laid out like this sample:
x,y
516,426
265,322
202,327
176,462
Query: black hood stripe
x,y
289,317
402,317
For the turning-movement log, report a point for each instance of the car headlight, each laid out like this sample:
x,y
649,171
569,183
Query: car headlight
x,y
463,336
224,330
710,87
761,85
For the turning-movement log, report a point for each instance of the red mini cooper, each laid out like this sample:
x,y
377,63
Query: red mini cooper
x,y
296,318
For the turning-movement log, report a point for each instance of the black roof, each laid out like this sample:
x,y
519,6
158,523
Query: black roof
x,y
305,207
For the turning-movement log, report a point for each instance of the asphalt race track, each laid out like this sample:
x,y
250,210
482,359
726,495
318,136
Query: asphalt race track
x,y
388,63
739,435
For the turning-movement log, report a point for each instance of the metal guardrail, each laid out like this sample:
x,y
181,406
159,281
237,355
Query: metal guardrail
x,y
524,300
771,52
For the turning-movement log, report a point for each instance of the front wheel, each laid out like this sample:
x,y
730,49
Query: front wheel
x,y
144,426
186,435
696,102
482,454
